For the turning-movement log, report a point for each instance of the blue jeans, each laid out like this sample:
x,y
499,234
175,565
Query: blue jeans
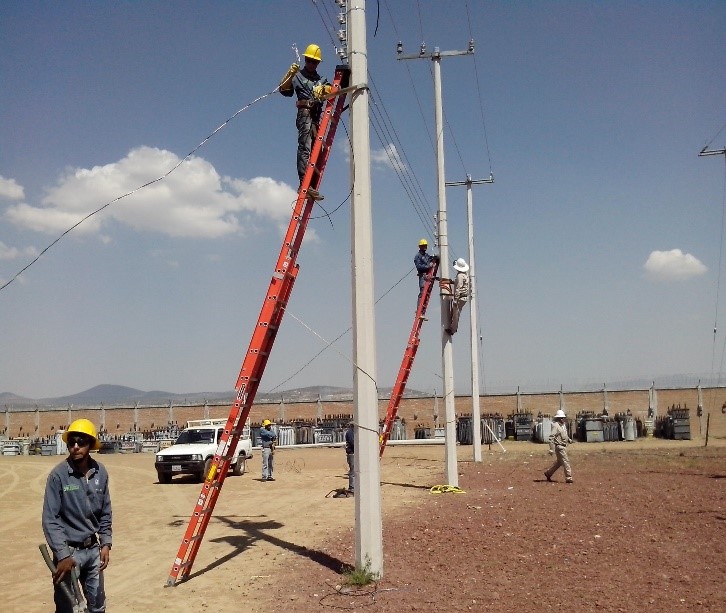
x,y
88,562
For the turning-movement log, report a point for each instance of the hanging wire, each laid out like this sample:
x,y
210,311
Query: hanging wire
x,y
413,87
140,187
479,95
337,338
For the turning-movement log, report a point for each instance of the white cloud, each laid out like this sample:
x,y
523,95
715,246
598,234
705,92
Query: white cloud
x,y
388,156
673,265
11,253
10,189
192,201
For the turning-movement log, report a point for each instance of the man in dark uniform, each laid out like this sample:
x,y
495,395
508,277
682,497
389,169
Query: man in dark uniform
x,y
309,87
423,262
350,455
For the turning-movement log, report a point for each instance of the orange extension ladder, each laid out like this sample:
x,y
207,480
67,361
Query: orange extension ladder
x,y
263,337
408,357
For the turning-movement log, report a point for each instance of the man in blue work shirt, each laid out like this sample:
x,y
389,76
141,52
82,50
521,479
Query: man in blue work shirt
x,y
309,87
268,438
77,518
423,262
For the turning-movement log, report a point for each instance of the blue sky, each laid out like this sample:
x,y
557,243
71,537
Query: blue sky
x,y
597,247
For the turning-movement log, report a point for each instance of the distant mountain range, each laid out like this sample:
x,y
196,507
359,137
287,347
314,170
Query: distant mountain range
x,y
119,395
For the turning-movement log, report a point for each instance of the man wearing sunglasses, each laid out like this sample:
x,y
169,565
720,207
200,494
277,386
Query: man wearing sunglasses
x,y
77,518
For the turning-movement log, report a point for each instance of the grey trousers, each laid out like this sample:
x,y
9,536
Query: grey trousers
x,y
267,462
351,471
307,132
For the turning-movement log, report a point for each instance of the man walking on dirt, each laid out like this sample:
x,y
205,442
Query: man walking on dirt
x,y
77,518
559,439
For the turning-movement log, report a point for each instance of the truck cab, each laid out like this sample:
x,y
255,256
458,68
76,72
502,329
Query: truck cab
x,y
194,450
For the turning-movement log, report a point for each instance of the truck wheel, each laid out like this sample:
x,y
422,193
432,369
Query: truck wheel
x,y
203,475
205,472
164,477
240,466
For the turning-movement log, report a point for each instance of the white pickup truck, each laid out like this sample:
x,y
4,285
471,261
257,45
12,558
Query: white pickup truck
x,y
193,452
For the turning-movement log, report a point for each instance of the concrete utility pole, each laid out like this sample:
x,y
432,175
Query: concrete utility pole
x,y
368,518
447,356
475,409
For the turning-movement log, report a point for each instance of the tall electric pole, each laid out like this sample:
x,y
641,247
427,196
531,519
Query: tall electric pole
x,y
447,356
368,519
475,409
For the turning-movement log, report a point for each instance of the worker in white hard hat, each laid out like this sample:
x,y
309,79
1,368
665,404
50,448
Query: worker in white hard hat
x,y
310,88
459,291
77,519
559,439
423,261
268,438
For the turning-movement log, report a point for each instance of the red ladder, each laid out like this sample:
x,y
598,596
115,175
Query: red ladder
x,y
263,337
408,357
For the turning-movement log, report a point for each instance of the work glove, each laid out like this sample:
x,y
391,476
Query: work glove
x,y
286,81
552,452
320,91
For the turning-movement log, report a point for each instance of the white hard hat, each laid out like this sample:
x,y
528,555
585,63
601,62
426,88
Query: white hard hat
x,y
461,265
560,413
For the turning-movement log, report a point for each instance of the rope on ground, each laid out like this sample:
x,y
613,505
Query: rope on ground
x,y
340,492
446,489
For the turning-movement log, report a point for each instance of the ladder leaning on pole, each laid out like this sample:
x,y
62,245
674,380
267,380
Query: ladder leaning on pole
x,y
408,357
263,337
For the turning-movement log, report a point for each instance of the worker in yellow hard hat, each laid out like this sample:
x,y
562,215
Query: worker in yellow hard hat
x,y
310,88
77,519
268,438
423,261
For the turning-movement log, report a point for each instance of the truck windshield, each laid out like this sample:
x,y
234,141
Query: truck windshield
x,y
195,436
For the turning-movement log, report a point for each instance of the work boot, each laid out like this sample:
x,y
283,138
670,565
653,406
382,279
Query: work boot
x,y
315,194
548,477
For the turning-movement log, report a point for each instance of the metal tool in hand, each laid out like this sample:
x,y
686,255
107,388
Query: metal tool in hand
x,y
73,593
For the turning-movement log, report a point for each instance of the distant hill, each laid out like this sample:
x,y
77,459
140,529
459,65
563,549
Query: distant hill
x,y
120,395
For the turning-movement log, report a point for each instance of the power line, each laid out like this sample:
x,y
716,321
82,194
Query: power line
x,y
140,187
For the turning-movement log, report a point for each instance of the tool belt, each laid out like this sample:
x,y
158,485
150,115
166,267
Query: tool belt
x,y
307,104
85,544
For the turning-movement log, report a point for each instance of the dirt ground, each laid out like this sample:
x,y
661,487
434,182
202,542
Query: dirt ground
x,y
642,528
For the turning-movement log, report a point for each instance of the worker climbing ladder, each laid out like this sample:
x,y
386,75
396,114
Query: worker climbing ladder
x,y
408,357
263,336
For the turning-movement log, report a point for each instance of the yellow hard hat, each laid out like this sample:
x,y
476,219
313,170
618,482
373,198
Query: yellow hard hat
x,y
83,426
267,422
423,243
313,52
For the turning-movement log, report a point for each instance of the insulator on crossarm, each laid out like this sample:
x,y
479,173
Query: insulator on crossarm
x,y
471,45
422,51
399,47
